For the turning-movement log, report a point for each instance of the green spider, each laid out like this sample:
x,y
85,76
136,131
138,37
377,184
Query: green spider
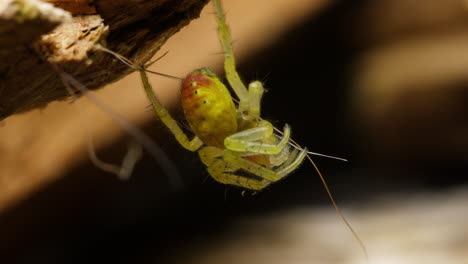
x,y
230,139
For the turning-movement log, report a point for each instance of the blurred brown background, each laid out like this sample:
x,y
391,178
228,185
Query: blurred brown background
x,y
383,84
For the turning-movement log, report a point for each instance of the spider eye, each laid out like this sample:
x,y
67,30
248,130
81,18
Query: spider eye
x,y
205,101
193,84
196,91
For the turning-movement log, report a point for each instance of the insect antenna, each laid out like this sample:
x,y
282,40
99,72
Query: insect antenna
x,y
292,144
329,193
338,211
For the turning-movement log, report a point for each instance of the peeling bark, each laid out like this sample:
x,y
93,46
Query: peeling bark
x,y
33,32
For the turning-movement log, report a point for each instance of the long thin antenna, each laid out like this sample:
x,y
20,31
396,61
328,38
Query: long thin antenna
x,y
361,244
316,153
335,205
166,164
296,146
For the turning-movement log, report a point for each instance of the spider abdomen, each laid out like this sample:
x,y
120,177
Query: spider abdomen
x,y
208,107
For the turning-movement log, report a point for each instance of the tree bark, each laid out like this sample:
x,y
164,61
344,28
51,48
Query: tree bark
x,y
34,34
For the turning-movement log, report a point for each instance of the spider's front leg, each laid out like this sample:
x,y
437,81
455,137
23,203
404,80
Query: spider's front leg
x,y
249,100
167,119
229,60
224,172
258,139
223,164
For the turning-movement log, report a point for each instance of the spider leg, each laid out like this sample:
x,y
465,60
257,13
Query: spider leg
x,y
218,173
221,164
222,171
261,171
292,157
256,140
229,61
167,119
255,96
280,158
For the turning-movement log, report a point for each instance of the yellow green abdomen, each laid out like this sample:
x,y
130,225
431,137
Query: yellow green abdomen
x,y
208,107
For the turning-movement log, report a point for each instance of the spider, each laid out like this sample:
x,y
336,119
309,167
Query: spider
x,y
229,139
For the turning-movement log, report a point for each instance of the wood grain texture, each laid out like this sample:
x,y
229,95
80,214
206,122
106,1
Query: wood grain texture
x,y
135,29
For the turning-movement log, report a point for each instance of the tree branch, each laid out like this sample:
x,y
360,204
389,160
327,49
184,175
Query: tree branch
x,y
33,32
